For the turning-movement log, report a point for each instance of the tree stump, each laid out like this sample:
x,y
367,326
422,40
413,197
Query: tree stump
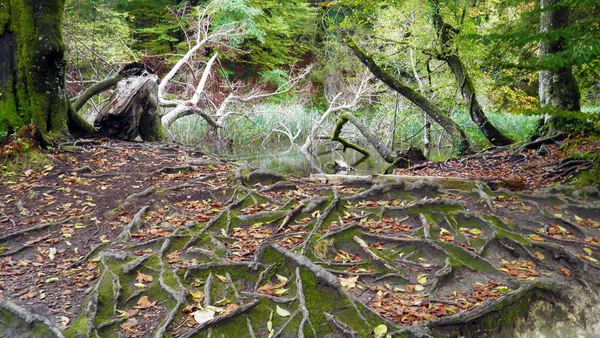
x,y
134,110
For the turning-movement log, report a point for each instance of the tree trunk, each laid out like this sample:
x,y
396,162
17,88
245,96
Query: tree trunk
x,y
455,132
463,80
134,111
558,87
468,93
32,68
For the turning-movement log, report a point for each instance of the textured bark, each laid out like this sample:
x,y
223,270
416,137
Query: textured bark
x,y
384,152
455,132
32,68
558,87
445,35
133,112
96,89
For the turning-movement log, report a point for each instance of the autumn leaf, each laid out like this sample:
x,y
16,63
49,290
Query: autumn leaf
x,y
565,272
144,303
203,316
535,237
348,283
142,278
282,312
197,296
539,255
380,331
129,324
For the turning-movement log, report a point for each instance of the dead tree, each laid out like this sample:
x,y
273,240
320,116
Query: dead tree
x,y
133,111
396,160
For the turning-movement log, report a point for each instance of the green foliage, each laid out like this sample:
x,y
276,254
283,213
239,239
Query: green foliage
x,y
286,28
94,32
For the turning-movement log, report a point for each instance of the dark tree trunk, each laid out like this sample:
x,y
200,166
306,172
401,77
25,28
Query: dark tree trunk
x,y
445,35
455,132
133,111
32,68
558,87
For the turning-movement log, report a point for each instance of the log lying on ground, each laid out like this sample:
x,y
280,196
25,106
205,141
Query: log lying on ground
x,y
396,160
134,110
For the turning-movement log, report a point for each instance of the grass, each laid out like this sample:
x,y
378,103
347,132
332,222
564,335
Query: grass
x,y
272,125
266,123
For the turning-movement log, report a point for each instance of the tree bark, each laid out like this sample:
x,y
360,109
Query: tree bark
x,y
381,149
133,111
463,80
32,68
558,88
456,133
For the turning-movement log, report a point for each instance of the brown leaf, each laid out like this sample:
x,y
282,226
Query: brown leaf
x,y
145,303
142,278
565,272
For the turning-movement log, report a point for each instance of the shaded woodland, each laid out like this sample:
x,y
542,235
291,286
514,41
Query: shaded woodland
x,y
118,219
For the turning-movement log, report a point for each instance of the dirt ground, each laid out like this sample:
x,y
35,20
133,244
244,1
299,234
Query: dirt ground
x,y
138,239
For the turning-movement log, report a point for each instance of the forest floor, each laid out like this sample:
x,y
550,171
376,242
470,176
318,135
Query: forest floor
x,y
520,169
109,239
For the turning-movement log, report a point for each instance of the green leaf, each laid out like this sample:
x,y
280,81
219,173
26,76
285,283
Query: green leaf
x,y
282,312
380,331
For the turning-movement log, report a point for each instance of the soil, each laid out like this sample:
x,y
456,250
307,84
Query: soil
x,y
521,169
146,239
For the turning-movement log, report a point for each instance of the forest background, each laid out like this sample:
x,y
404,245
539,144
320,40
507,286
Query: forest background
x,y
280,68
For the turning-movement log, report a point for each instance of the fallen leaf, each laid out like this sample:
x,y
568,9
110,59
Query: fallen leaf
x,y
476,231
565,272
535,237
380,331
197,296
142,278
349,282
231,307
145,303
51,253
422,279
539,255
129,324
63,322
282,312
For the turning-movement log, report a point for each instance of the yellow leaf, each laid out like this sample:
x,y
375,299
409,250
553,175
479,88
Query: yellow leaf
x,y
422,279
197,296
380,331
535,237
349,282
282,312
476,231
588,251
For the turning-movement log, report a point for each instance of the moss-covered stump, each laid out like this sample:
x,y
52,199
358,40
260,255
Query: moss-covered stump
x,y
209,251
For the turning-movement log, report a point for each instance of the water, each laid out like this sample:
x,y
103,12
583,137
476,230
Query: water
x,y
293,162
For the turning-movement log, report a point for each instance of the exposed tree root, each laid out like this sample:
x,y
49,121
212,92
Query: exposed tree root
x,y
242,309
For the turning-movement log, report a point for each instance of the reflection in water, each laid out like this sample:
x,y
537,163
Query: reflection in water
x,y
294,162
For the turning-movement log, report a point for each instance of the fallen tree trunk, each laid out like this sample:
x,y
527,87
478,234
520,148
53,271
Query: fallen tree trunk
x,y
458,136
396,160
134,110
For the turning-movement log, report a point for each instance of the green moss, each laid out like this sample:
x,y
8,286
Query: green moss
x,y
36,93
29,159
467,259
